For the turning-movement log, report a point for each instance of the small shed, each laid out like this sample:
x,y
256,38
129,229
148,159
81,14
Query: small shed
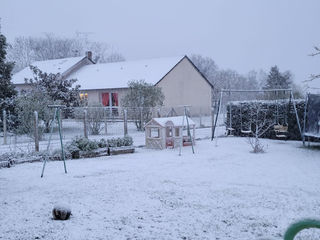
x,y
167,132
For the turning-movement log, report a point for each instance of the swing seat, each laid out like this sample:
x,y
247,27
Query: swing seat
x,y
230,132
246,131
281,130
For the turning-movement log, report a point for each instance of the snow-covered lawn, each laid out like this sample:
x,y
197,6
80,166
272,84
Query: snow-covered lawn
x,y
222,192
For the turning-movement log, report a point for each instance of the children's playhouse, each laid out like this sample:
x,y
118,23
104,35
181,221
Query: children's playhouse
x,y
169,132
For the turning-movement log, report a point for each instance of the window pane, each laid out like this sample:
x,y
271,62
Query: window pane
x,y
177,134
154,133
114,99
105,99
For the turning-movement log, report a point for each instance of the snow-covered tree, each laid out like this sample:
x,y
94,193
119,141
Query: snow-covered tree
x,y
141,97
7,89
27,103
56,87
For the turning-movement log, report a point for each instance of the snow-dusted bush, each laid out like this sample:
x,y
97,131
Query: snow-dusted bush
x,y
119,142
27,103
141,98
257,146
79,143
102,143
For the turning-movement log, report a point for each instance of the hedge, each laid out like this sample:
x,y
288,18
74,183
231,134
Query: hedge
x,y
264,113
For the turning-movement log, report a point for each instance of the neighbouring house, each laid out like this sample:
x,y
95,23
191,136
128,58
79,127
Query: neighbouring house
x,y
181,81
169,132
64,66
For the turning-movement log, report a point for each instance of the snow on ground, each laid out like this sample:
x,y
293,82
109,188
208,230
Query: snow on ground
x,y
222,192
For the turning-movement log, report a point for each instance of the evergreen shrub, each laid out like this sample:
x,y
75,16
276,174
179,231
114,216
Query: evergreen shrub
x,y
243,114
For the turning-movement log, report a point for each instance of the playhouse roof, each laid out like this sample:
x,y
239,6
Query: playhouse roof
x,y
177,121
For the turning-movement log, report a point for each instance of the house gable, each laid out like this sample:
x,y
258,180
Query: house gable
x,y
185,85
186,57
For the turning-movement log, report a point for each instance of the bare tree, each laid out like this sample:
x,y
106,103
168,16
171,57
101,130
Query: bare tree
x,y
26,50
260,125
52,47
22,52
206,65
255,79
226,79
312,77
115,57
210,70
230,79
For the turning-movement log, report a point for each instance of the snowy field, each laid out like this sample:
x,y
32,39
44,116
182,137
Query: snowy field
x,y
219,193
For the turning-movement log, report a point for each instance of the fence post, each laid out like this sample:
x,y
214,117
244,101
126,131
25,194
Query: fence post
x,y
125,122
200,118
36,133
85,129
105,121
213,111
141,119
4,127
60,119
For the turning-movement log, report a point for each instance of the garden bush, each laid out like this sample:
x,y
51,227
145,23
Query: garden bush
x,y
241,115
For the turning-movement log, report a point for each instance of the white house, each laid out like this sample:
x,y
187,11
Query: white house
x,y
180,80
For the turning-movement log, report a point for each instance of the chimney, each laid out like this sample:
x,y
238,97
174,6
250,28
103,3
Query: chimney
x,y
89,55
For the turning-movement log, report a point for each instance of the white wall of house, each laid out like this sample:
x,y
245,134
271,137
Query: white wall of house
x,y
96,95
184,85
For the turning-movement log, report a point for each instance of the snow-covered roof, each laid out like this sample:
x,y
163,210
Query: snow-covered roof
x,y
177,121
50,66
117,75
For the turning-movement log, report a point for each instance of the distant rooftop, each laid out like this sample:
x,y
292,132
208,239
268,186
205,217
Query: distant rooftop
x,y
50,66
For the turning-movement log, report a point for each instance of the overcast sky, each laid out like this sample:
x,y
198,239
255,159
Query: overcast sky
x,y
242,35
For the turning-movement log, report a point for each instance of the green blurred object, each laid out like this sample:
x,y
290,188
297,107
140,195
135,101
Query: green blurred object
x,y
300,225
56,116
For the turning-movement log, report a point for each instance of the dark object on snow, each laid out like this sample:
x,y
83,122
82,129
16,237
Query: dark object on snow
x,y
61,211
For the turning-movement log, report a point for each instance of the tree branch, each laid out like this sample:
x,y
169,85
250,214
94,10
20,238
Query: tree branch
x,y
314,54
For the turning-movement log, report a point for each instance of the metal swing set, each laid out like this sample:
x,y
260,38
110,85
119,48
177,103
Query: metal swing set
x,y
280,128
